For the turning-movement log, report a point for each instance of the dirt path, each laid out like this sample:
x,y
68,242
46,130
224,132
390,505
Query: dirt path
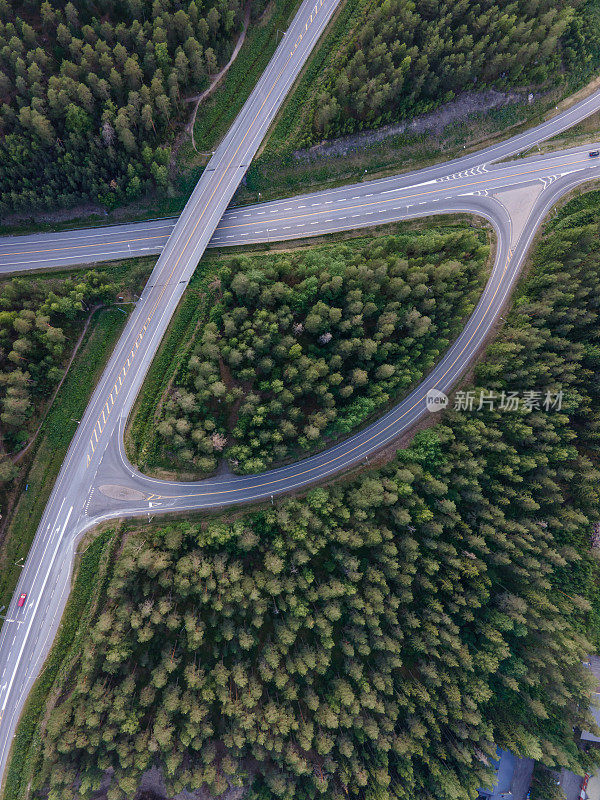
x,y
216,80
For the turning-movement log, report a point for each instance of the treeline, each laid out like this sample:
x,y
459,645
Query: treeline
x,y
394,59
39,320
300,348
377,638
89,93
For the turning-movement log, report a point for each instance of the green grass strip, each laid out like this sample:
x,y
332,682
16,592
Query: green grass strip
x,y
141,442
216,115
291,121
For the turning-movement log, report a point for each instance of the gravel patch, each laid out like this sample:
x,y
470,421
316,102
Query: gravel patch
x,y
460,109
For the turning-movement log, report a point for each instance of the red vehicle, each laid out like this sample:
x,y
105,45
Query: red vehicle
x,y
22,599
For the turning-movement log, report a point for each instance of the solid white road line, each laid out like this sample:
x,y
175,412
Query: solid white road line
x,y
33,613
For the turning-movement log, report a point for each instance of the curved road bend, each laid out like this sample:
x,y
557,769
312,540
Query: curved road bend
x,y
155,496
94,245
28,631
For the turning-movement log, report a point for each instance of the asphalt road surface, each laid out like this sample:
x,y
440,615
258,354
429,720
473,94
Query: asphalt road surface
x,y
514,197
354,206
28,631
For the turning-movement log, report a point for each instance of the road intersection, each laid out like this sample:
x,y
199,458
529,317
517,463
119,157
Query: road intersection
x,y
97,483
106,243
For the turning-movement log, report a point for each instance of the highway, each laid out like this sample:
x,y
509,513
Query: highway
x,y
96,483
107,243
28,631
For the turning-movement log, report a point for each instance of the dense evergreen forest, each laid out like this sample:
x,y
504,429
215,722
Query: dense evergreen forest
x,y
89,93
375,638
302,347
39,321
391,60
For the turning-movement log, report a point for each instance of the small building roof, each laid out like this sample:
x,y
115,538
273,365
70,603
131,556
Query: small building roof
x,y
512,779
586,736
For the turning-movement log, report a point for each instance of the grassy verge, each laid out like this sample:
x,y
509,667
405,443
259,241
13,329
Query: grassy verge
x,y
86,594
223,106
53,442
586,132
141,444
292,120
32,226
278,174
128,275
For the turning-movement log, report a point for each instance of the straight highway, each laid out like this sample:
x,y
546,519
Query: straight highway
x,y
29,630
